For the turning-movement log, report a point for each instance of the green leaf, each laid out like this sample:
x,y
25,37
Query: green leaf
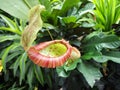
x,y
88,25
69,19
100,41
30,76
75,42
105,13
39,74
47,4
91,54
90,72
112,56
17,47
10,22
12,25
88,8
16,8
94,44
18,25
16,65
8,37
71,65
35,24
48,26
31,3
117,15
49,80
11,30
64,7
67,4
5,56
61,72
22,66
13,55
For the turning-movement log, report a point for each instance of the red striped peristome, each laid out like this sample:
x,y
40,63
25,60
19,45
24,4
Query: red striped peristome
x,y
47,61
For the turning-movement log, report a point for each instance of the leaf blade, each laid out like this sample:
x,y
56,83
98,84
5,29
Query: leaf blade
x,y
39,74
90,72
15,8
22,66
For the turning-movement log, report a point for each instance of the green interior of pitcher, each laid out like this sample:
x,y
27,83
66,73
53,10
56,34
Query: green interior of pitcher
x,y
54,50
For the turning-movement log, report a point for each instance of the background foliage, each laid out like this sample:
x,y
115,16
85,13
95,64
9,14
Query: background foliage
x,y
91,26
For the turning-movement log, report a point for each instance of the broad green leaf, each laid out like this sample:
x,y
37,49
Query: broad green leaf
x,y
35,24
47,4
88,8
39,74
46,15
16,8
89,55
31,3
22,66
94,43
67,4
69,19
75,42
101,41
61,72
90,72
87,25
48,26
71,65
112,56
8,37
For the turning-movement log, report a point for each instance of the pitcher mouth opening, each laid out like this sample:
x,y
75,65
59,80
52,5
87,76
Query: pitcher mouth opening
x,y
54,50
50,54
